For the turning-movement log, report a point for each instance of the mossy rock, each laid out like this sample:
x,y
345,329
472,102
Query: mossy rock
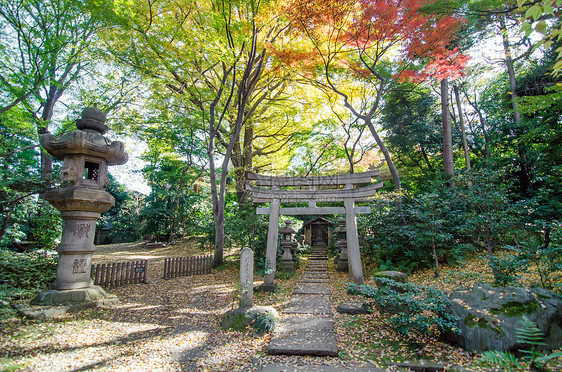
x,y
239,319
489,317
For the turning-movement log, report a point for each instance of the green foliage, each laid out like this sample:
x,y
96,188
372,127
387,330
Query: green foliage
x,y
411,308
501,359
264,323
505,268
21,219
23,275
532,339
46,227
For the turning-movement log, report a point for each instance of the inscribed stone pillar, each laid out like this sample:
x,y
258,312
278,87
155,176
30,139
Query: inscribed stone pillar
x,y
271,250
246,277
355,268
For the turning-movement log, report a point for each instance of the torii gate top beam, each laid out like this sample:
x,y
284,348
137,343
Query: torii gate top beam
x,y
342,179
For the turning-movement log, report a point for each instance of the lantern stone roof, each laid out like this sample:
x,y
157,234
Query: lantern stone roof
x,y
288,229
87,139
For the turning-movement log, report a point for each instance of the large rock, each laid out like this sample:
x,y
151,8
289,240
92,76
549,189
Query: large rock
x,y
239,319
489,316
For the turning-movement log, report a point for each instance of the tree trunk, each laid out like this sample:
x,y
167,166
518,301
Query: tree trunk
x,y
448,161
7,219
524,178
436,273
387,157
482,125
461,123
243,164
219,225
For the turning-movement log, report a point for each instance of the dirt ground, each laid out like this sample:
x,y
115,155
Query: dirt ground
x,y
174,325
165,325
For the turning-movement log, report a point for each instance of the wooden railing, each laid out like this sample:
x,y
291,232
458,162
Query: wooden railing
x,y
185,266
119,274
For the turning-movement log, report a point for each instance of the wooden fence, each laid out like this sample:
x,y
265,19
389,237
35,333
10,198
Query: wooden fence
x,y
185,266
119,274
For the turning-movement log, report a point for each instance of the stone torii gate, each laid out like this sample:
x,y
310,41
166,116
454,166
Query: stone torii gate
x,y
319,189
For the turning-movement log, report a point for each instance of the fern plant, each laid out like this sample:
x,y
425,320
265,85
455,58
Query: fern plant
x,y
503,359
532,338
264,323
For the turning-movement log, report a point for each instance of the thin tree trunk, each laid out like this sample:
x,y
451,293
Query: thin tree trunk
x,y
7,219
461,123
386,154
448,161
524,178
436,273
482,124
426,158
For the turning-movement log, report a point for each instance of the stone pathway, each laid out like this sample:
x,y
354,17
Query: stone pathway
x,y
308,325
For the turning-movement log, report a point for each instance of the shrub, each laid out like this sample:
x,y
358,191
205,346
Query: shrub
x,y
410,307
264,323
23,274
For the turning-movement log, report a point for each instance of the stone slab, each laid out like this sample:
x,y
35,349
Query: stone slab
x,y
319,275
316,343
304,324
314,280
286,367
352,308
312,289
309,304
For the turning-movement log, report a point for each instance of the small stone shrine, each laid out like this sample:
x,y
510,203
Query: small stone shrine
x,y
81,199
317,232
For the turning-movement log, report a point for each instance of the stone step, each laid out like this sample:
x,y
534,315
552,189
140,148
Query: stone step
x,y
319,281
312,289
315,274
309,304
314,343
315,277
286,367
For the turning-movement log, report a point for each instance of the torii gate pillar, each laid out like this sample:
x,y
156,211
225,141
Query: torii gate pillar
x,y
353,252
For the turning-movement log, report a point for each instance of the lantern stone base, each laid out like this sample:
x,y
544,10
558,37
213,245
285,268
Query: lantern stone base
x,y
80,296
267,287
54,303
288,265
342,266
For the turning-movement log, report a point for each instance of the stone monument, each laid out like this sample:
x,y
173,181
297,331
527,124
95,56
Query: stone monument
x,y
246,278
287,244
246,313
81,199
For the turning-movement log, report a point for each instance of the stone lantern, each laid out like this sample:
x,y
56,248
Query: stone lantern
x,y
287,244
86,154
341,247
